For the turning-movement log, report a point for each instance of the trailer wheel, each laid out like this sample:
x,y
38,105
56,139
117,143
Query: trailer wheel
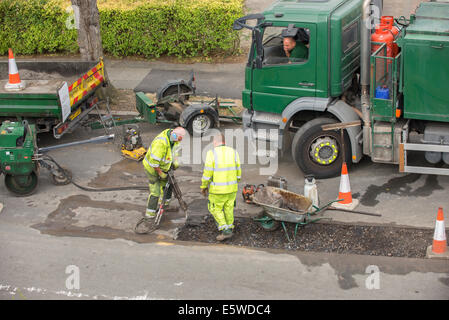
x,y
21,185
319,152
200,123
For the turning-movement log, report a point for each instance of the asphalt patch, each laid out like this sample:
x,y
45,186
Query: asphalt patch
x,y
321,237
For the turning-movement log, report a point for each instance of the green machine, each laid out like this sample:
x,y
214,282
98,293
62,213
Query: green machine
x,y
21,159
18,145
386,104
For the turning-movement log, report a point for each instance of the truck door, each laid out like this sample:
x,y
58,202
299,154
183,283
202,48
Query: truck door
x,y
282,80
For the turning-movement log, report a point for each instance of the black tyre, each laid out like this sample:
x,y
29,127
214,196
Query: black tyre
x,y
173,90
319,152
21,185
200,123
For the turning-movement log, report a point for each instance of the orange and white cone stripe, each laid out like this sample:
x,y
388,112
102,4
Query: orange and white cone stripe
x,y
439,238
14,82
345,188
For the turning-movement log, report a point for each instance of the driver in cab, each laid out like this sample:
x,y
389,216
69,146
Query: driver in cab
x,y
295,49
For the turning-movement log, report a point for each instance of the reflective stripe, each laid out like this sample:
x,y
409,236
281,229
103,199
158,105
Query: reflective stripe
x,y
222,169
223,183
162,138
154,157
12,66
222,227
160,159
209,168
206,178
215,158
150,164
238,177
151,210
225,169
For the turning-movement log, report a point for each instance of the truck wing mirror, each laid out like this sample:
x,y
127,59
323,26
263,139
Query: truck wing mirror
x,y
240,23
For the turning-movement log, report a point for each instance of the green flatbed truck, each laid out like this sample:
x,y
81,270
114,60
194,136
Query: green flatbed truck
x,y
288,102
53,105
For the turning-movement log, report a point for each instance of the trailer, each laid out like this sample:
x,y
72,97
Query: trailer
x,y
53,105
175,103
397,90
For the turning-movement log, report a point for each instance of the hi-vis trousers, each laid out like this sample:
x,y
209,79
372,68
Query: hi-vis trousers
x,y
221,206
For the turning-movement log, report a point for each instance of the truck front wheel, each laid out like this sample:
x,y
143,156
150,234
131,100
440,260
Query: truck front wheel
x,y
319,152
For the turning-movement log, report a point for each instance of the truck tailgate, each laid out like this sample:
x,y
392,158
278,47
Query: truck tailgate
x,y
86,84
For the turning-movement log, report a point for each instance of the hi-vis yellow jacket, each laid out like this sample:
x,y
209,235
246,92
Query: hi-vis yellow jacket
x,y
222,170
160,153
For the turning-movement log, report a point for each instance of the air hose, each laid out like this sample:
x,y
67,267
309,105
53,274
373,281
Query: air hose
x,y
69,178
144,220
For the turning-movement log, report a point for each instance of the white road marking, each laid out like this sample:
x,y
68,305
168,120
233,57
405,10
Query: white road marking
x,y
14,290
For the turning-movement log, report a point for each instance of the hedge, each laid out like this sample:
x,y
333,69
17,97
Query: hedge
x,y
128,27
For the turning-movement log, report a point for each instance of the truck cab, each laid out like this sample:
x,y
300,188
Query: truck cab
x,y
284,94
356,92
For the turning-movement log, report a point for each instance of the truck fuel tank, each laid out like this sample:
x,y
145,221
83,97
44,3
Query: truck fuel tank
x,y
435,133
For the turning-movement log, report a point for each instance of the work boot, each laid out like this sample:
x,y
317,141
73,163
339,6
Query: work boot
x,y
150,215
226,234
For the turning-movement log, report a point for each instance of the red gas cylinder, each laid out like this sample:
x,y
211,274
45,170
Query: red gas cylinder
x,y
382,35
389,22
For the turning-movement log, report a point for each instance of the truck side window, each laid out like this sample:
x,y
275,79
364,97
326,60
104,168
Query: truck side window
x,y
350,37
273,46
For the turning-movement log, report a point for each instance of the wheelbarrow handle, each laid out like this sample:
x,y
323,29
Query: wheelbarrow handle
x,y
319,209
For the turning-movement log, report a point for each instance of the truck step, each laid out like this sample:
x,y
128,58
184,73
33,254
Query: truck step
x,y
385,144
267,118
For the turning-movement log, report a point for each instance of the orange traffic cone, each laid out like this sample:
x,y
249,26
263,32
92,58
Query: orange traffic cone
x,y
345,192
439,247
14,82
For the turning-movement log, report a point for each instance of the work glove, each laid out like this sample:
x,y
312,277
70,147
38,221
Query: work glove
x,y
204,192
175,165
163,175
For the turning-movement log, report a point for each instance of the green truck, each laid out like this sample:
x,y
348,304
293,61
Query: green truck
x,y
387,104
53,105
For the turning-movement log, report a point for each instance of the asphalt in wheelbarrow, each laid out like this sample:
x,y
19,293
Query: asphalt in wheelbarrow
x,y
320,237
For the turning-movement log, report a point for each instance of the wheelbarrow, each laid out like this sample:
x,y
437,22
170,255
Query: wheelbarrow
x,y
281,206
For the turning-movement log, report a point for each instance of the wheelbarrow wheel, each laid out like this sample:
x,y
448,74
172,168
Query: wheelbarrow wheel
x,y
270,225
